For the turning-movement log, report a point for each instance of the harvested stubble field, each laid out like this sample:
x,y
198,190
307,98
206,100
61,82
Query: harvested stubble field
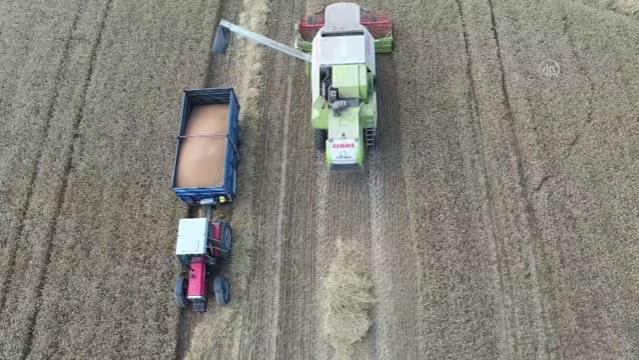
x,y
498,217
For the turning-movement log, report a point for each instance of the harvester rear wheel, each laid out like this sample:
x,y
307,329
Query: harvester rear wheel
x,y
320,136
222,289
180,292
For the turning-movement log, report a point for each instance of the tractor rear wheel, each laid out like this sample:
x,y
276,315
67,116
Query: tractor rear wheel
x,y
222,289
180,292
320,136
227,241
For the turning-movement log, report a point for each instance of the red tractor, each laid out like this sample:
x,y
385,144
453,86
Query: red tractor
x,y
201,246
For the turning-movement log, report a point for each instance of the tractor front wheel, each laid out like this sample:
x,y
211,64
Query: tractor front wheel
x,y
320,136
180,292
222,289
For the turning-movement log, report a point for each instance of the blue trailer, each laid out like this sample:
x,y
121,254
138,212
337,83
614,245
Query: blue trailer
x,y
207,153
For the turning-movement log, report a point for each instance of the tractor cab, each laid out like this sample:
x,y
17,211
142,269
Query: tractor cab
x,y
200,245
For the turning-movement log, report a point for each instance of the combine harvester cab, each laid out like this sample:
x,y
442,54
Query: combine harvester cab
x,y
204,173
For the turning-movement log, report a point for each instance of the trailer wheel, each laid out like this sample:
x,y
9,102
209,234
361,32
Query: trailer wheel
x,y
320,136
227,241
222,289
180,292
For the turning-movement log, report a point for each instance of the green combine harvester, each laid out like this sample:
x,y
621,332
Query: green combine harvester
x,y
342,42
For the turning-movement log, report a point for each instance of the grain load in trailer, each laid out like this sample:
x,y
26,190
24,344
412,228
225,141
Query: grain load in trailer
x,y
203,148
207,147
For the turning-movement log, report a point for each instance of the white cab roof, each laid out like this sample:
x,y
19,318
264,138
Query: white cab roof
x,y
342,49
192,235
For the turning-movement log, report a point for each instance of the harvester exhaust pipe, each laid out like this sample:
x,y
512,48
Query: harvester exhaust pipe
x,y
223,37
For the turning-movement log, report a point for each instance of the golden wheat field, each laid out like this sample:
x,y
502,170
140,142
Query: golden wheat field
x,y
497,218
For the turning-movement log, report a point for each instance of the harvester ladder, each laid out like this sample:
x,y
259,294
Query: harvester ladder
x,y
370,135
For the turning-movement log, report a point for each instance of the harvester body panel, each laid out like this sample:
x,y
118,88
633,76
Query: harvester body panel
x,y
344,145
351,81
319,113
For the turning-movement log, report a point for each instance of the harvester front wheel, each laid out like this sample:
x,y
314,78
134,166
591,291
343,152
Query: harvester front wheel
x,y
320,136
222,289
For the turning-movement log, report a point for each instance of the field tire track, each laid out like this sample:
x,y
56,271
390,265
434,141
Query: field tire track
x,y
65,181
589,100
279,231
13,243
261,317
396,329
324,249
496,249
580,65
529,214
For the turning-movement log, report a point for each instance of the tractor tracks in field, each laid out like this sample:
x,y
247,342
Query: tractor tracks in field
x,y
528,218
589,101
13,243
68,164
270,306
393,240
579,62
496,250
279,222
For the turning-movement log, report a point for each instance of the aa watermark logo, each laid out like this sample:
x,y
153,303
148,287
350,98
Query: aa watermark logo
x,y
549,69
